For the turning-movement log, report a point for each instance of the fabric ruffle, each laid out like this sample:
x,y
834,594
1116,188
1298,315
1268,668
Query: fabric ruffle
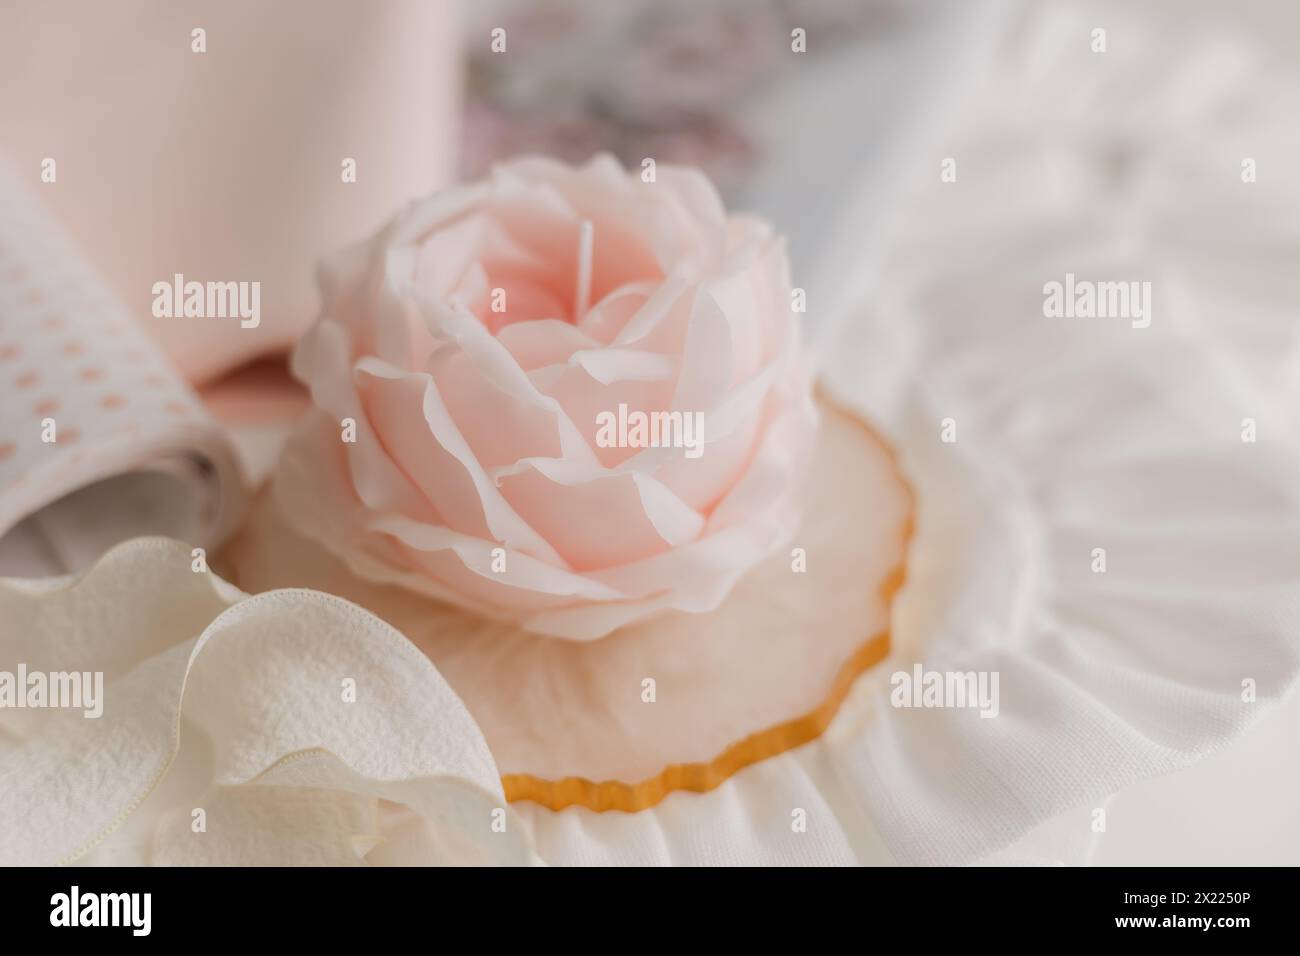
x,y
289,719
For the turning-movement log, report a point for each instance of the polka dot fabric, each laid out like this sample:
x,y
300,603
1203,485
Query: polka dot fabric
x,y
85,394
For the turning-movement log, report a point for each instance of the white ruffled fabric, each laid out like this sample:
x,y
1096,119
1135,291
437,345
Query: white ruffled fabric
x,y
237,707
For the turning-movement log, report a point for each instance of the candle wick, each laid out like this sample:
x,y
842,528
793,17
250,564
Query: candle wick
x,y
582,298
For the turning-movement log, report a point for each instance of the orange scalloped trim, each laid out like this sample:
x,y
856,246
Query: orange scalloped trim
x,y
769,742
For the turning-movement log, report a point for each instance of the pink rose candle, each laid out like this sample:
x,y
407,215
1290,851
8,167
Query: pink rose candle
x,y
573,398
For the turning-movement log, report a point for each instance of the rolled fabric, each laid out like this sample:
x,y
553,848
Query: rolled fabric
x,y
233,141
101,439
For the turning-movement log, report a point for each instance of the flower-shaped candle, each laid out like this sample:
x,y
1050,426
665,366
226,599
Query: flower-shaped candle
x,y
569,397
572,402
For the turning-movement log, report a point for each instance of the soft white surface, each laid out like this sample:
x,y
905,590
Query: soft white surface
x,y
1234,808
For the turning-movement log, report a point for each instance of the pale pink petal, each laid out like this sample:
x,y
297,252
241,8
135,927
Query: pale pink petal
x,y
578,516
449,473
544,342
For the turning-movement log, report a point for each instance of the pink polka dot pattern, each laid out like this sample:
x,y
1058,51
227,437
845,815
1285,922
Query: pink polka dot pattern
x,y
70,353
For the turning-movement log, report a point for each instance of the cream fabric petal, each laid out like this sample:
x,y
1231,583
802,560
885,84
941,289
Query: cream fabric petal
x,y
462,823
263,679
269,826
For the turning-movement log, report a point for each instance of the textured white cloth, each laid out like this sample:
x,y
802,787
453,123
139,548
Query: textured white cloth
x,y
285,718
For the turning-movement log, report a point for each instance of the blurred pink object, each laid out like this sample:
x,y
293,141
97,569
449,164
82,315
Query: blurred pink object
x,y
226,165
